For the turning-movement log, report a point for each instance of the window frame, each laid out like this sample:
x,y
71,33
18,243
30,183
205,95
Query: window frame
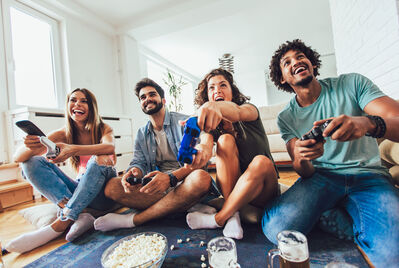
x,y
164,67
56,45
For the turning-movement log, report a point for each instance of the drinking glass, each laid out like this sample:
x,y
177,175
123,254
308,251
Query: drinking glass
x,y
292,250
222,253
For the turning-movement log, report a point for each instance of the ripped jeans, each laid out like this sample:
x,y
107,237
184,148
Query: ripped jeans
x,y
87,191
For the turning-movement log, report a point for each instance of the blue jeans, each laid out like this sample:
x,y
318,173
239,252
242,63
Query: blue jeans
x,y
370,200
87,191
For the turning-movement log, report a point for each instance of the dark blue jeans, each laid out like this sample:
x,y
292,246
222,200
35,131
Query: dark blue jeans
x,y
369,198
88,191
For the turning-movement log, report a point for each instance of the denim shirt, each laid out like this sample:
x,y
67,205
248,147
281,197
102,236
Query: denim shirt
x,y
145,146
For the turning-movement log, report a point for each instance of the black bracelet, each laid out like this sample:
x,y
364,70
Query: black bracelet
x,y
380,126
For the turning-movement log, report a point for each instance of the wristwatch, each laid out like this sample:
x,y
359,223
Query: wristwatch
x,y
173,180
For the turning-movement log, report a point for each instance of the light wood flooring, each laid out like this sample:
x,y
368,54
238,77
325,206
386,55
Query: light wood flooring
x,y
13,224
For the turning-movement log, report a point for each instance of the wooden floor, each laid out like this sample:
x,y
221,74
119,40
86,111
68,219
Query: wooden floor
x,y
13,224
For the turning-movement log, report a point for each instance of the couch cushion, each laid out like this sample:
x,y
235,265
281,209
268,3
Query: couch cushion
x,y
268,116
389,151
281,156
395,174
276,143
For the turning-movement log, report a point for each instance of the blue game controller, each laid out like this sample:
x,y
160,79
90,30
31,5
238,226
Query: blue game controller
x,y
190,137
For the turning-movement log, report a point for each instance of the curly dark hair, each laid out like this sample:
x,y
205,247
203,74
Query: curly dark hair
x,y
201,93
295,45
147,82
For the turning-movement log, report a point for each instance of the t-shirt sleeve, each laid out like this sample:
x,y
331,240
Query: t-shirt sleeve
x,y
285,131
366,90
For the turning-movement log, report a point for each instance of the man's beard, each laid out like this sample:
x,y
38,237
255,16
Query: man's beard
x,y
153,110
304,82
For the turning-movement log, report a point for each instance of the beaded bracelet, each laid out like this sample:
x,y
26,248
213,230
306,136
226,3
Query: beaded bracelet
x,y
380,126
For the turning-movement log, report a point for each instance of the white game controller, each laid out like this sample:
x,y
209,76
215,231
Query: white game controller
x,y
52,149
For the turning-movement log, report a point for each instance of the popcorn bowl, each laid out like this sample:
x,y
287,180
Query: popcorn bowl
x,y
117,256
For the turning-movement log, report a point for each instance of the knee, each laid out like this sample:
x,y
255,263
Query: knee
x,y
263,165
226,144
271,227
199,181
33,162
104,160
114,189
29,166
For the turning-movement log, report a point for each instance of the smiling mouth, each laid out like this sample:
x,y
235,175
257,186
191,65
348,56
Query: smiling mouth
x,y
219,98
300,69
78,112
149,104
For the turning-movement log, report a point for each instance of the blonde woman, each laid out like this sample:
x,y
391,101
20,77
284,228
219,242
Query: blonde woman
x,y
89,144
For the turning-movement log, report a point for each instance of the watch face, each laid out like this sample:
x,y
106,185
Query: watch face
x,y
173,179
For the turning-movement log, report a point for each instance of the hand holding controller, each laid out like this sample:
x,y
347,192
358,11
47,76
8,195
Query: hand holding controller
x,y
190,137
317,132
52,150
143,181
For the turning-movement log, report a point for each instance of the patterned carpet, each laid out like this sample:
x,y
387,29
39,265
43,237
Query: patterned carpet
x,y
252,250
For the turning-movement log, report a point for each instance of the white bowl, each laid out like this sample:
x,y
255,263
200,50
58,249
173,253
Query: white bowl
x,y
154,263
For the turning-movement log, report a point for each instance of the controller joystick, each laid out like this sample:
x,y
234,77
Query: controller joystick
x,y
52,149
190,137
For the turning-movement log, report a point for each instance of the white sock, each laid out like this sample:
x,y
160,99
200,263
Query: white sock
x,y
113,221
82,224
198,220
32,240
233,227
202,208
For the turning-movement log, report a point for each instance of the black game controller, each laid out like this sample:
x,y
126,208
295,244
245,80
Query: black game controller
x,y
143,181
317,132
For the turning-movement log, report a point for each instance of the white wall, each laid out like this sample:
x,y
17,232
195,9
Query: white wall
x,y
92,57
3,95
366,39
130,73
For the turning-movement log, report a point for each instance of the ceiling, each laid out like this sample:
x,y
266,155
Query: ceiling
x,y
193,34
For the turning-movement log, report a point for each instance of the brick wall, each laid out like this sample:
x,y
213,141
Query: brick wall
x,y
366,40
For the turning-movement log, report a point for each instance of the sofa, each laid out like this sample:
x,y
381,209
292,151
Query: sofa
x,y
268,115
389,151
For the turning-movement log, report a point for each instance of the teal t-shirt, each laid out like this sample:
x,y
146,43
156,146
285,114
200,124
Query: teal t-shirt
x,y
347,94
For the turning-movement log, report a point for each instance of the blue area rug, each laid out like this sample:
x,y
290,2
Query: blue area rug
x,y
252,250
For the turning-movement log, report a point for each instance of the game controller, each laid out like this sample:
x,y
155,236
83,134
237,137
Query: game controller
x,y
317,132
190,137
52,150
143,181
31,129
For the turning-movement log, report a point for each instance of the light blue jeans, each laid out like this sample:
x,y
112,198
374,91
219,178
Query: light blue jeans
x,y
369,198
86,191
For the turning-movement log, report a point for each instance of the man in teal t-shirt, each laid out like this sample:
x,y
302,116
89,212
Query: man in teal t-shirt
x,y
344,170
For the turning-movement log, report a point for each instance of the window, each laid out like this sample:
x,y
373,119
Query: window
x,y
33,57
158,73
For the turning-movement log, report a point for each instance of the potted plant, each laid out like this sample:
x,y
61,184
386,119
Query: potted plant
x,y
175,88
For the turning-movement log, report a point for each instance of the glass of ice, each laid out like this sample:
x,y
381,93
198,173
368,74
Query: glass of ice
x,y
222,253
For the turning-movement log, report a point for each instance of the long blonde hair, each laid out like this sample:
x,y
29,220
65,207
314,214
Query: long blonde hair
x,y
94,123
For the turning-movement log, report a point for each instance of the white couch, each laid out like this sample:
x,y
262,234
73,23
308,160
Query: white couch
x,y
278,149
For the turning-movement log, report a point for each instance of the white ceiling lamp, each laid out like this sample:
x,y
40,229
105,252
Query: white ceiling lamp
x,y
227,62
